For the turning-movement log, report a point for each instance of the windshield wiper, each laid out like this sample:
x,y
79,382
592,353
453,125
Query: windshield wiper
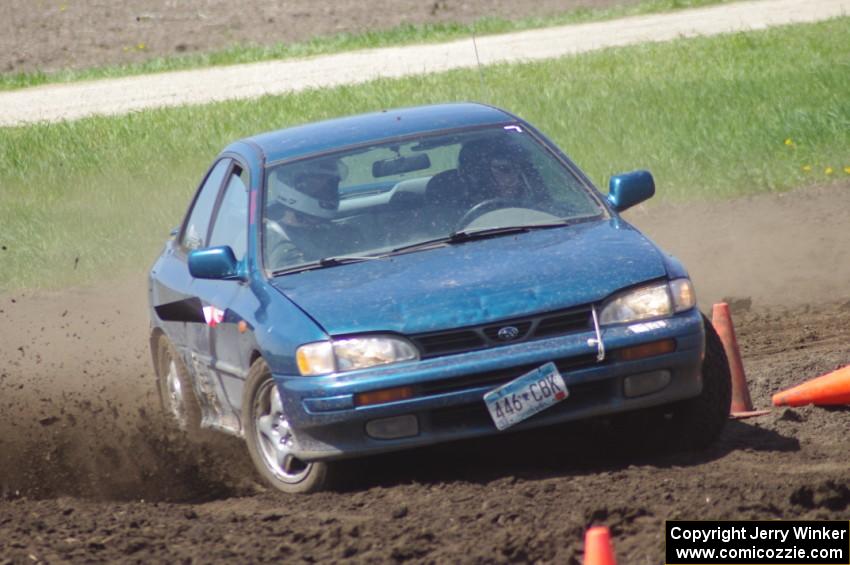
x,y
345,259
325,262
419,245
467,235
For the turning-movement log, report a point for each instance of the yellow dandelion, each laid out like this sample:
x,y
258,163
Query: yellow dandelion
x,y
807,168
63,7
828,170
789,142
847,170
140,46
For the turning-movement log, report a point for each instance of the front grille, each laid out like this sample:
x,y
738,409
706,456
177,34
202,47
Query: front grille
x,y
563,323
492,332
460,340
449,342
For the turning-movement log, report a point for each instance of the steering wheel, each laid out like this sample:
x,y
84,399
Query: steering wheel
x,y
484,207
280,249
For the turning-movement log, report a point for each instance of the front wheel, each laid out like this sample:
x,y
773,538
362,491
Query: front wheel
x,y
271,441
691,424
698,421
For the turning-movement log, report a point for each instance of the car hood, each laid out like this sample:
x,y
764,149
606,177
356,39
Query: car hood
x,y
476,282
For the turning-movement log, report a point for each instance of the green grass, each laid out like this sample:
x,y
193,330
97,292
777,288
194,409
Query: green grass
x,y
708,116
400,35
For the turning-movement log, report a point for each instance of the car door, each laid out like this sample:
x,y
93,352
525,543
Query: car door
x,y
225,299
176,306
186,306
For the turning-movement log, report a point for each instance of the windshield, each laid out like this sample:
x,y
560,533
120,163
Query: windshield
x,y
371,201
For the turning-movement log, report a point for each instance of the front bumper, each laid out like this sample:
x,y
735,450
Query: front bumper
x,y
448,391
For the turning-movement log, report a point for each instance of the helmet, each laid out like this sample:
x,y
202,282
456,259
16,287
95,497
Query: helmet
x,y
310,187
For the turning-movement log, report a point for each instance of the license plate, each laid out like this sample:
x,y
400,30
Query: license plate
x,y
525,396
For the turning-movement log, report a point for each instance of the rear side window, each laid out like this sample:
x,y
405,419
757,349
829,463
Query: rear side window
x,y
195,234
231,223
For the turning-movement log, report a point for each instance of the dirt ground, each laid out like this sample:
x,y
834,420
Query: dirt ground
x,y
50,35
89,474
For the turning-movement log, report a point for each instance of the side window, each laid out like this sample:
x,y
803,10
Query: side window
x,y
231,223
195,234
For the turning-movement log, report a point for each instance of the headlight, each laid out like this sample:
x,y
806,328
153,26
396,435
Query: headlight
x,y
324,357
315,358
652,301
684,297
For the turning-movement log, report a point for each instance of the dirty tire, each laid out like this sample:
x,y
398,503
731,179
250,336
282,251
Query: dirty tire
x,y
698,421
269,437
176,393
690,424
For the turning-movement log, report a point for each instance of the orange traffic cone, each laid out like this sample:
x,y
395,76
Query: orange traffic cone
x,y
829,389
597,547
742,404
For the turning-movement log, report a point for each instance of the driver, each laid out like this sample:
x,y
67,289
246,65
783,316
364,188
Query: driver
x,y
507,178
304,198
495,169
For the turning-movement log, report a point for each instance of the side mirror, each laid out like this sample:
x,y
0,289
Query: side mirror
x,y
214,263
627,189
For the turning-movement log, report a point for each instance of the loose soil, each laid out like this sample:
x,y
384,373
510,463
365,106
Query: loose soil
x,y
88,471
49,36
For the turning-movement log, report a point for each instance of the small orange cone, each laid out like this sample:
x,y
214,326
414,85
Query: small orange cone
x,y
829,389
742,404
597,547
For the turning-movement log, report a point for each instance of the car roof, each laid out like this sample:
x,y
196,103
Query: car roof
x,y
298,141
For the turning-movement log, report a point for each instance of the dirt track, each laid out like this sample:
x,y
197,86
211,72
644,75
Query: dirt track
x,y
87,472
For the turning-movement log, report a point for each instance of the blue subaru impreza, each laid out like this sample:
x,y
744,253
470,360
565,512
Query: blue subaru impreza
x,y
408,277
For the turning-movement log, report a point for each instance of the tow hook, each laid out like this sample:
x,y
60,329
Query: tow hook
x,y
597,341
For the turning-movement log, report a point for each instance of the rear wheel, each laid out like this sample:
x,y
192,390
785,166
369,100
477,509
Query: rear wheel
x,y
176,393
271,440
